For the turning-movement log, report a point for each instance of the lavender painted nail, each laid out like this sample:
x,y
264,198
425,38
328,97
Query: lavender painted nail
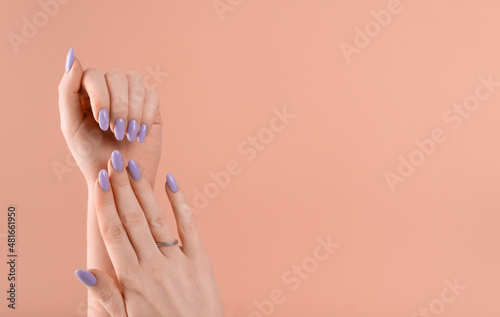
x,y
86,277
104,180
119,129
172,184
117,160
133,168
70,59
103,119
142,133
132,130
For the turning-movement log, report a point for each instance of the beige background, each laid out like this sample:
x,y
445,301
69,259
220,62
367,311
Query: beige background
x,y
322,175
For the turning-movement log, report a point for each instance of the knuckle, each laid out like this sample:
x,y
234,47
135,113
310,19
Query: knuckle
x,y
102,204
104,296
128,280
137,93
188,227
157,222
132,218
184,210
114,232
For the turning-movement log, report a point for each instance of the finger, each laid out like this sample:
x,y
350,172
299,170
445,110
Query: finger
x,y
113,233
118,94
191,241
94,84
155,215
105,290
131,213
70,105
136,93
151,109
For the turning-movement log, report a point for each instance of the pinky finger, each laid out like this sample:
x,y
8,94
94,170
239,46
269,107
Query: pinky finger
x,y
104,290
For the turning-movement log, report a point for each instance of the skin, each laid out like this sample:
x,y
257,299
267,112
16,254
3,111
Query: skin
x,y
82,94
151,280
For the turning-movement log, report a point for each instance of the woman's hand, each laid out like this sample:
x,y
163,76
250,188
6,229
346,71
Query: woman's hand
x,y
151,280
101,112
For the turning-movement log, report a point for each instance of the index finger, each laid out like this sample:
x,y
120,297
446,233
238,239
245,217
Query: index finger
x,y
113,233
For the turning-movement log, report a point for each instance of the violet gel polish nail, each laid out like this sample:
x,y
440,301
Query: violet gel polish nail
x,y
172,184
134,169
70,59
142,133
86,277
104,180
119,129
117,160
132,130
104,119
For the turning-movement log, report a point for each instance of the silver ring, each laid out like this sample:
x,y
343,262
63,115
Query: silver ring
x,y
165,244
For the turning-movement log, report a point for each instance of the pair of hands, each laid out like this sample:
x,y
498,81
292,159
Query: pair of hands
x,y
144,279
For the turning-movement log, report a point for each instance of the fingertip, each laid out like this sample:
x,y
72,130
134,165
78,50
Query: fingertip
x,y
172,183
70,59
86,277
104,180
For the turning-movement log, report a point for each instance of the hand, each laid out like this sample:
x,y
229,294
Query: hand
x,y
96,109
151,280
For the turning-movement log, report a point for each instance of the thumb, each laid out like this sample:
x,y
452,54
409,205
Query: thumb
x,y
104,289
70,104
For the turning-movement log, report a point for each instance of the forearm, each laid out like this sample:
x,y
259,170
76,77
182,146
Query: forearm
x,y
97,256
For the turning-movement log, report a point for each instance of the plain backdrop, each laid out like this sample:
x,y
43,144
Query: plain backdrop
x,y
362,87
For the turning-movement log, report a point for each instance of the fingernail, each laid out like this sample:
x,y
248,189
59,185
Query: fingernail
x,y
172,184
119,129
142,133
86,277
70,59
103,119
134,169
132,130
104,180
117,160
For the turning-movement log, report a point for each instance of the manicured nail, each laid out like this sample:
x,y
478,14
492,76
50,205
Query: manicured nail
x,y
172,184
86,277
70,59
119,129
142,133
117,160
103,119
132,130
104,180
133,168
